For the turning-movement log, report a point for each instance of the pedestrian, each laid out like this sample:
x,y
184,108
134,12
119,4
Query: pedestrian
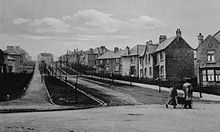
x,y
172,96
188,94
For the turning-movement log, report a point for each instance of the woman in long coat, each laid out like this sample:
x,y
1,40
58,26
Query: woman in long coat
x,y
188,94
172,96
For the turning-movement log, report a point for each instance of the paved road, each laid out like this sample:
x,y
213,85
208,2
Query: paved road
x,y
140,118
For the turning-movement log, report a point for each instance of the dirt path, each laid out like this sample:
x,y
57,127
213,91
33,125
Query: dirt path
x,y
35,96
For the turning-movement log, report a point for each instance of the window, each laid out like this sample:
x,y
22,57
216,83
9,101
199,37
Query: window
x,y
146,59
107,68
162,70
132,59
149,58
141,61
117,60
158,59
116,68
210,56
133,70
107,61
210,75
150,71
161,56
204,76
145,71
217,75
141,72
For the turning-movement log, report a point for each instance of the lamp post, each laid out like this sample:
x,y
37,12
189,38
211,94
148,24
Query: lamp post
x,y
130,71
199,79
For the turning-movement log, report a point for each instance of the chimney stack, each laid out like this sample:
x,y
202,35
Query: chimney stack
x,y
150,42
200,38
116,49
17,47
10,47
127,50
162,38
178,33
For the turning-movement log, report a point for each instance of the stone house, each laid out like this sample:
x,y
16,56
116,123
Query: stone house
x,y
173,59
92,54
3,63
146,61
46,57
110,62
130,60
208,61
12,52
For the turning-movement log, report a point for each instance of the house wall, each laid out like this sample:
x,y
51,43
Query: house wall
x,y
208,44
127,64
18,61
90,59
146,65
179,60
109,66
160,63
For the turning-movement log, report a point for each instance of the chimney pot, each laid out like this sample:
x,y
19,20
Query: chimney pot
x,y
178,32
116,49
162,38
150,42
200,38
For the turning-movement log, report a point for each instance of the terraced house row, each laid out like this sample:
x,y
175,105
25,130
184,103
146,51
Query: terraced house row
x,y
169,59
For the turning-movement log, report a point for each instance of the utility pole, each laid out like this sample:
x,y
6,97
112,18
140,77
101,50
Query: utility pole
x,y
77,75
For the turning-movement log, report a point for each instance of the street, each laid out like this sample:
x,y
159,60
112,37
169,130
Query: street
x,y
140,118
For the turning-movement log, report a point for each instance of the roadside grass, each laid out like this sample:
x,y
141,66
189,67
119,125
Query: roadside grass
x,y
63,94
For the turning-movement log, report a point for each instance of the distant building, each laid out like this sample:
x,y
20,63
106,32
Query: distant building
x,y
92,54
11,62
173,59
3,63
208,61
130,60
110,62
14,53
46,57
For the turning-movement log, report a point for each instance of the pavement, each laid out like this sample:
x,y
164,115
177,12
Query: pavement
x,y
206,97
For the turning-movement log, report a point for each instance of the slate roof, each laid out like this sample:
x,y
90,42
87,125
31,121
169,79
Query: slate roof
x,y
12,51
111,54
217,36
149,49
164,44
136,50
46,54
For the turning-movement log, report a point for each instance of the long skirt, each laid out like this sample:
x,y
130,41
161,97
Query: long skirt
x,y
172,101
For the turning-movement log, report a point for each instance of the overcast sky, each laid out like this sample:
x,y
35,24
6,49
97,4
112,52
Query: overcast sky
x,y
59,25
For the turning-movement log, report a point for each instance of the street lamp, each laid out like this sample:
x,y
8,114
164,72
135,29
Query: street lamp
x,y
199,79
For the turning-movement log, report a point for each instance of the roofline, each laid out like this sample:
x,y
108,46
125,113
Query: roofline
x,y
216,33
174,37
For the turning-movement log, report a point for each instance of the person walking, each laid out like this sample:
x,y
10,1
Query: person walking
x,y
188,94
172,96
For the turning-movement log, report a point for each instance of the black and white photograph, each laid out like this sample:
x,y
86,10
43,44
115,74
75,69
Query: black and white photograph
x,y
109,65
